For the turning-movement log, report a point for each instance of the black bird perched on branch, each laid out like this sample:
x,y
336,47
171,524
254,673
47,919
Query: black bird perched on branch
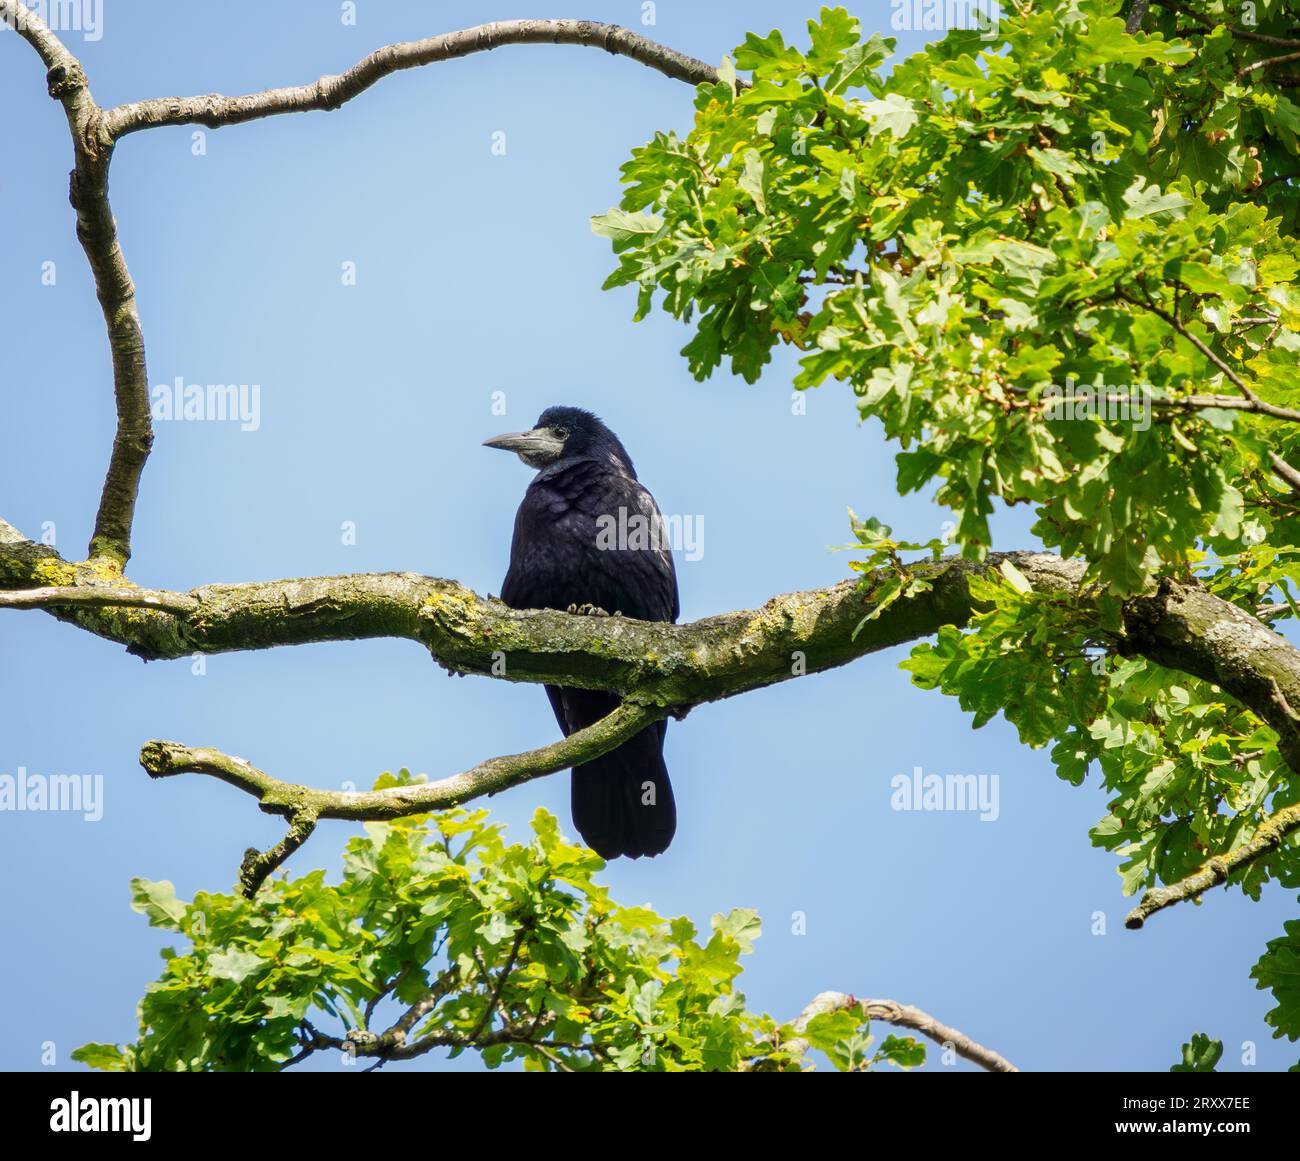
x,y
571,552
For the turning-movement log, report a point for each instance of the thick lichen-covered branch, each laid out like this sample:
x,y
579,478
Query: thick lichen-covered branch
x,y
1268,836
1180,626
660,664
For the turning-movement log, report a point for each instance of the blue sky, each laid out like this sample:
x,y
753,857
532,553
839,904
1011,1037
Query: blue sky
x,y
477,274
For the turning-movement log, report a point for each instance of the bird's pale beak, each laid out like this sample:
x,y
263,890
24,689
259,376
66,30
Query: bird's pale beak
x,y
536,448
515,441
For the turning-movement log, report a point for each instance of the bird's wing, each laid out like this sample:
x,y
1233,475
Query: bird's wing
x,y
588,534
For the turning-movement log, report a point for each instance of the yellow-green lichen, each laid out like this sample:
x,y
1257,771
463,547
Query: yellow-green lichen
x,y
53,572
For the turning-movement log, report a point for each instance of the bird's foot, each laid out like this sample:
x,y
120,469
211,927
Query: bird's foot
x,y
589,611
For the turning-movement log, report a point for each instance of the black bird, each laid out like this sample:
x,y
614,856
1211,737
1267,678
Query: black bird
x,y
568,553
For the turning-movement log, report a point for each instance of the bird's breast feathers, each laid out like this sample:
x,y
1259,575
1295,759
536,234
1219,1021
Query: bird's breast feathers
x,y
586,534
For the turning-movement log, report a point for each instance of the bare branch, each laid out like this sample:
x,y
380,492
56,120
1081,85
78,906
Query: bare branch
x,y
97,232
906,1016
164,759
392,1044
37,33
329,92
664,667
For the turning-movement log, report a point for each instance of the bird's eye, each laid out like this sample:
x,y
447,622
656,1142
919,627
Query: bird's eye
x,y
560,432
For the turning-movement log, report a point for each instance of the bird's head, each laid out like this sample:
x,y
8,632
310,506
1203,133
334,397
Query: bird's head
x,y
563,433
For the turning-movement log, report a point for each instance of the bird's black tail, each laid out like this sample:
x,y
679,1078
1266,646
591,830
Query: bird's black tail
x,y
622,801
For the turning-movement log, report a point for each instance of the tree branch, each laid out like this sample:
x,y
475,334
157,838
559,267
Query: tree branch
x,y
164,759
401,1028
906,1016
258,865
1226,403
1285,471
1240,33
1267,62
37,33
1179,625
662,667
88,191
329,92
664,664
1183,627
1136,15
394,1042
1187,403
1268,837
1252,401
1236,380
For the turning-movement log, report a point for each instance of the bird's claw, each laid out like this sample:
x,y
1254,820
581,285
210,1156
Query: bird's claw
x,y
589,611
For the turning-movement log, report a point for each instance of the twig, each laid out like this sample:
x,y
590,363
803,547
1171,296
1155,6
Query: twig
x,y
1178,326
503,976
1267,62
401,1028
904,1016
